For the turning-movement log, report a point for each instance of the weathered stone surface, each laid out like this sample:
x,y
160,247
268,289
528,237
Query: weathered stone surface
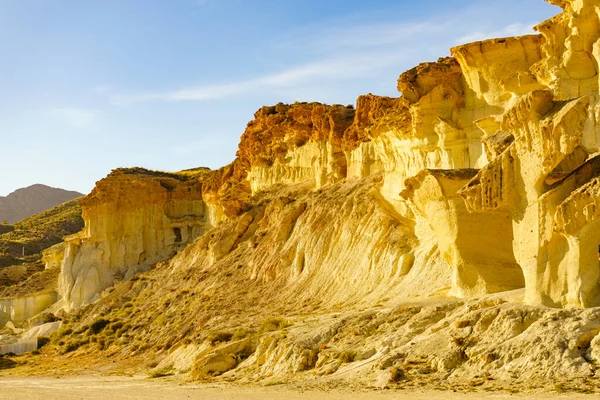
x,y
475,191
478,245
43,330
522,111
133,219
498,70
295,143
542,175
393,243
53,256
222,359
20,309
20,347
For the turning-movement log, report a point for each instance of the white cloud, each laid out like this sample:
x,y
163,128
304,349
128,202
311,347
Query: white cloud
x,y
342,52
101,89
362,36
336,68
75,117
510,30
358,51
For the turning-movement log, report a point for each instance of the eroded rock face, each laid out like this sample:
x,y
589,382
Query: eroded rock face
x,y
295,143
133,219
481,177
430,127
478,245
20,309
498,70
343,244
524,110
547,166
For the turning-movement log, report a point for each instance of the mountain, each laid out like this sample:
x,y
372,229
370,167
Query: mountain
x,y
25,202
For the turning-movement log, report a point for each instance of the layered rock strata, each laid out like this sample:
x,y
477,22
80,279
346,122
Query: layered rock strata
x,y
477,245
485,163
133,219
549,165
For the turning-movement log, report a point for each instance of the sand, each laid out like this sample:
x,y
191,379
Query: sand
x,y
141,387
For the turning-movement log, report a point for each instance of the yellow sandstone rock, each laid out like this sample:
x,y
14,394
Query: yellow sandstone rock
x,y
133,219
478,245
481,177
419,239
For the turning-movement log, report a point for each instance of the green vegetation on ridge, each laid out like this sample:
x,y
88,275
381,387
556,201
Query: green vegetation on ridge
x,y
21,244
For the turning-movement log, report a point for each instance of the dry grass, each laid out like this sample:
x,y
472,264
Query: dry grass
x,y
33,235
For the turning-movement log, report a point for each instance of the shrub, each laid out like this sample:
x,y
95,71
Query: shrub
x,y
240,334
123,329
74,345
115,326
462,323
97,326
396,374
102,343
62,332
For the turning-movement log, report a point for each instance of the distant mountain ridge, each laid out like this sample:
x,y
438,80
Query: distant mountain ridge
x,y
25,202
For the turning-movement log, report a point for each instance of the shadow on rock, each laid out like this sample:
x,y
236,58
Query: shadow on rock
x,y
6,363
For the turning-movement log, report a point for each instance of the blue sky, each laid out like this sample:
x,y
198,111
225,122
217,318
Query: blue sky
x,y
91,85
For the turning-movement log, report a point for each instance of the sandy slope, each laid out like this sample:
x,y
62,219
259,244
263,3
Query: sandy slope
x,y
116,388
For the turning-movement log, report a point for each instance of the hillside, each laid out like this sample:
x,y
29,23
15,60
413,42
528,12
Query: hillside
x,y
21,246
447,238
25,202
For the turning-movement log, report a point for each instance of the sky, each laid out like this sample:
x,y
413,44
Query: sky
x,y
87,86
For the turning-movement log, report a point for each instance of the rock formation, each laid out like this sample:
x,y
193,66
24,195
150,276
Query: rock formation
x,y
133,219
476,190
549,165
486,160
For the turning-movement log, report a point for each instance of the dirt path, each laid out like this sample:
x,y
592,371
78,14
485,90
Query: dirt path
x,y
117,388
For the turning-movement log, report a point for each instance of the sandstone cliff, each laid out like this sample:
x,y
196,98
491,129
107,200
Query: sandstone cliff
x,y
133,219
401,238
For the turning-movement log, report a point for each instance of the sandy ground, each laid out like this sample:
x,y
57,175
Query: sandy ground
x,y
116,388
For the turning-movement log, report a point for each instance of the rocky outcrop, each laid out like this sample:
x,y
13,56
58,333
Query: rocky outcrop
x,y
20,309
430,127
339,245
498,70
482,177
133,219
392,244
571,50
295,143
478,245
547,166
523,110
484,158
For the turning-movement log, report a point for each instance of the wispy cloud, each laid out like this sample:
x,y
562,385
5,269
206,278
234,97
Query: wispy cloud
x,y
336,68
333,53
78,118
353,36
328,53
510,30
101,89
